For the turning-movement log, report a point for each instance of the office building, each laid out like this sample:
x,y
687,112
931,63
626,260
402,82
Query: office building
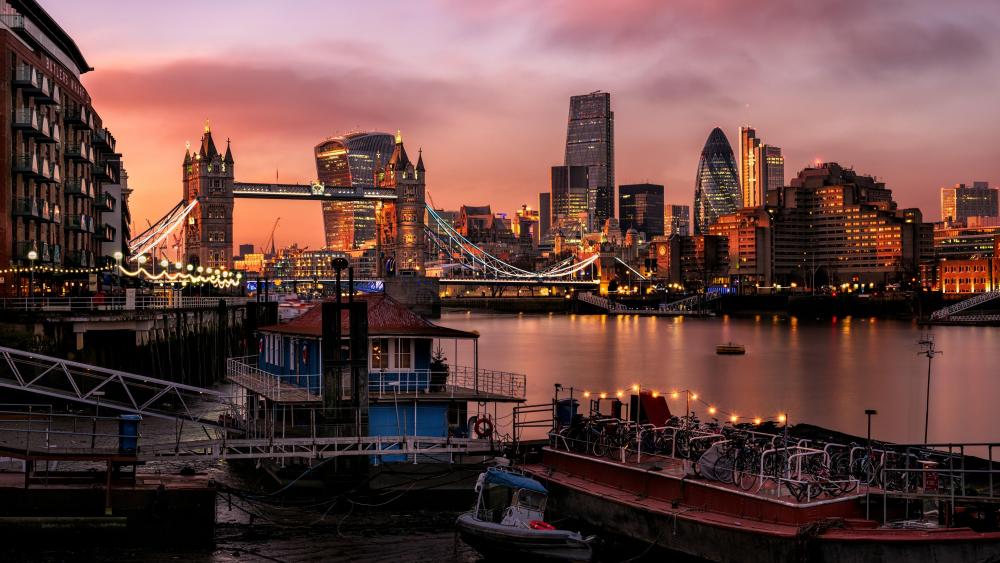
x,y
762,167
694,262
351,160
750,241
544,214
960,202
677,220
717,186
640,207
55,210
834,226
570,188
590,143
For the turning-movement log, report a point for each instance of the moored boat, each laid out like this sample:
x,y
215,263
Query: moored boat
x,y
730,349
508,520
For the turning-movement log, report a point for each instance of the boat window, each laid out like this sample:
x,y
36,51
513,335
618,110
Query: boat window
x,y
530,499
380,353
404,353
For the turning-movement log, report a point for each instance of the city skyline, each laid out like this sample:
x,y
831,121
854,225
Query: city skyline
x,y
275,104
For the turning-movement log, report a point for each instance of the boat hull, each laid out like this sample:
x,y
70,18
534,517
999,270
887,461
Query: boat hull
x,y
636,504
495,540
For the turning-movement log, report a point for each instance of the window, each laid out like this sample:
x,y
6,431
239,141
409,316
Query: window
x,y
380,353
216,212
216,236
404,354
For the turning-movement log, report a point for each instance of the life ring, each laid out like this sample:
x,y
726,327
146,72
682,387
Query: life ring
x,y
483,427
539,525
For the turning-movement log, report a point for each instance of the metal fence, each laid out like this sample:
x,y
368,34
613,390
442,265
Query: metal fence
x,y
114,303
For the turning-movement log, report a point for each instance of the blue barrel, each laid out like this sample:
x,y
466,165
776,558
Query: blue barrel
x,y
128,433
566,411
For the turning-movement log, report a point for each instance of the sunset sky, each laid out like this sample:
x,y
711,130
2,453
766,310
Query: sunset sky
x,y
905,90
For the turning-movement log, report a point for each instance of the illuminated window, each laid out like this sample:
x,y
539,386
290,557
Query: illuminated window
x,y
380,353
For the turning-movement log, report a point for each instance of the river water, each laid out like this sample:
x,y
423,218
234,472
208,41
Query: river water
x,y
819,372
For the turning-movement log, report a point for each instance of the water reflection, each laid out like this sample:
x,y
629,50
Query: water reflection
x,y
824,373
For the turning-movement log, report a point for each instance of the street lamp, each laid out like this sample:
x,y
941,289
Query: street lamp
x,y
32,256
928,343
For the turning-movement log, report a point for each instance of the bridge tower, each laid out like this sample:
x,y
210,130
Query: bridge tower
x,y
401,232
208,177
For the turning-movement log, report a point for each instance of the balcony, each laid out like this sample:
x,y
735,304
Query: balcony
x,y
23,247
26,207
49,131
78,116
102,171
44,210
56,254
104,140
28,121
105,232
79,259
56,214
26,164
105,202
13,21
79,152
27,79
79,187
50,94
50,171
81,223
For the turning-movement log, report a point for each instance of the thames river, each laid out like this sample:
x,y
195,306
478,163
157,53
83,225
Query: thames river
x,y
819,372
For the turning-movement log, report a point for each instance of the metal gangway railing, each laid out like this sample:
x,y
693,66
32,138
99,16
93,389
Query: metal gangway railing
x,y
602,302
946,312
693,303
123,391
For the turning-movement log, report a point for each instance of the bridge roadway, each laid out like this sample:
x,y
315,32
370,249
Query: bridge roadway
x,y
316,191
456,281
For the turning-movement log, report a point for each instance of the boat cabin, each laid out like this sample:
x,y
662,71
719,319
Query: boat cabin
x,y
415,386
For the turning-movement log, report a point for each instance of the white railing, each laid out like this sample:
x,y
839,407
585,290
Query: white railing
x,y
114,303
690,303
461,380
487,381
244,371
602,302
966,304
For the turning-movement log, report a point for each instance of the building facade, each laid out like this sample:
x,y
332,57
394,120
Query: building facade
x,y
544,214
717,186
590,142
773,176
762,167
640,206
56,214
834,226
750,242
208,178
677,220
570,189
960,202
694,262
351,160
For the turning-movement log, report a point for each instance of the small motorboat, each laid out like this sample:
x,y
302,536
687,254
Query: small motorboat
x,y
508,520
730,349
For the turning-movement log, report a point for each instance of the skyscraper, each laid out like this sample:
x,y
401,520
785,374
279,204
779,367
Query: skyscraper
x,y
960,202
544,213
762,168
677,220
351,160
569,198
590,142
640,206
774,169
750,169
717,187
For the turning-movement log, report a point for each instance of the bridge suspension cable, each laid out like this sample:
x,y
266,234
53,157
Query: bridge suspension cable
x,y
157,232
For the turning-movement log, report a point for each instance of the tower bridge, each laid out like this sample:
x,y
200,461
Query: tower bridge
x,y
406,227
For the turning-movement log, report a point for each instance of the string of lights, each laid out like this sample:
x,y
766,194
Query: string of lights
x,y
54,270
217,277
692,396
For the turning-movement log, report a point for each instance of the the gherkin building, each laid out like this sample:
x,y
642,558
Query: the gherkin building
x,y
717,188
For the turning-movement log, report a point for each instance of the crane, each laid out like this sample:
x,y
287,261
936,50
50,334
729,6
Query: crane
x,y
270,240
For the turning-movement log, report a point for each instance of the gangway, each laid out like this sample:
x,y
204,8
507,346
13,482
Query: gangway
x,y
690,303
315,447
949,311
113,389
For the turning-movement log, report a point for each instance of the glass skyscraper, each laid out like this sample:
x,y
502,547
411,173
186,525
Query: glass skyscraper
x,y
590,140
351,160
717,187
640,206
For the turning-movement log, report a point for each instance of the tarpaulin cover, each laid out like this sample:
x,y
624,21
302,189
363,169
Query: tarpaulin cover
x,y
513,480
655,409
